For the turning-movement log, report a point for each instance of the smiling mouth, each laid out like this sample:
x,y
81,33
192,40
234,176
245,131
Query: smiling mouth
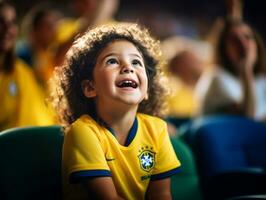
x,y
127,83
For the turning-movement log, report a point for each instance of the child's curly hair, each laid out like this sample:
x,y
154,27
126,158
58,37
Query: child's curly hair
x,y
67,95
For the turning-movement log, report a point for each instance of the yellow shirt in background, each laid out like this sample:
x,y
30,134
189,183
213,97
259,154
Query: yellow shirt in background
x,y
182,101
43,66
22,103
67,28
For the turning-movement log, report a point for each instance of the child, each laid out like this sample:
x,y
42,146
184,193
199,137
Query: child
x,y
112,150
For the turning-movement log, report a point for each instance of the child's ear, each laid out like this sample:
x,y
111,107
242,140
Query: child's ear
x,y
88,89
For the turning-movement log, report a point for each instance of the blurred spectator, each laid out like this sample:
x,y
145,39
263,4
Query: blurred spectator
x,y
22,103
238,84
89,14
38,49
187,60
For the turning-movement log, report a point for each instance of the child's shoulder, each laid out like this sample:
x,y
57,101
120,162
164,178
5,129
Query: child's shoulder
x,y
155,127
83,129
83,122
150,120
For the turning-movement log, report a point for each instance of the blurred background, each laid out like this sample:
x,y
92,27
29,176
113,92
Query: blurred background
x,y
189,17
203,41
190,32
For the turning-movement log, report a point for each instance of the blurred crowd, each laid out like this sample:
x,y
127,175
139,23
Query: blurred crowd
x,y
220,71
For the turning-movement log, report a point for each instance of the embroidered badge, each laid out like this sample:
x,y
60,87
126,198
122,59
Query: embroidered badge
x,y
146,159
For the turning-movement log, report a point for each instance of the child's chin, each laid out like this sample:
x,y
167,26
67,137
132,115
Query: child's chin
x,y
132,102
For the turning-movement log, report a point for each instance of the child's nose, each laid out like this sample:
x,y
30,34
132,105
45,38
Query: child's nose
x,y
127,69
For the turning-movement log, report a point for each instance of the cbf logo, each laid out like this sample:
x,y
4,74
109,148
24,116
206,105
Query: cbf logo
x,y
146,158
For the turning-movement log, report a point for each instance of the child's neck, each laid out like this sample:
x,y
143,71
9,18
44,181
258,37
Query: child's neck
x,y
120,122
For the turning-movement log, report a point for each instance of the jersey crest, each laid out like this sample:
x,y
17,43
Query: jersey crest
x,y
147,160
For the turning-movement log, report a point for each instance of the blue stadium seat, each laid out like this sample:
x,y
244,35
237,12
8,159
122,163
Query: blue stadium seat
x,y
227,149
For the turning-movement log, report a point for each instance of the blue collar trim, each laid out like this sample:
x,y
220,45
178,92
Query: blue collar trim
x,y
132,132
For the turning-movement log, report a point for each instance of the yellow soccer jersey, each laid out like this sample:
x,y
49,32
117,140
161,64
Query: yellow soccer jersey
x,y
91,150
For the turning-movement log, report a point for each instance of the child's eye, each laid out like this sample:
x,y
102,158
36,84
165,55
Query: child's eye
x,y
136,62
111,61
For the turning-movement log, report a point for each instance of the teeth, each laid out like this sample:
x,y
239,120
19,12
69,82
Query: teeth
x,y
127,83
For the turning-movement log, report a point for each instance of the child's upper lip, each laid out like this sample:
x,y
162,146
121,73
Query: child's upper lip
x,y
127,82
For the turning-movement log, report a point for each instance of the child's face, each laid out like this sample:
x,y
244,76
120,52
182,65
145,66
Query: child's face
x,y
119,76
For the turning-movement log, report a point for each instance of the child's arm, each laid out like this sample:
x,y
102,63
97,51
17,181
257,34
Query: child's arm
x,y
159,190
102,188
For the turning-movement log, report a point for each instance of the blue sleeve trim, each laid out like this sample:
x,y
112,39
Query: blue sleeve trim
x,y
165,174
77,177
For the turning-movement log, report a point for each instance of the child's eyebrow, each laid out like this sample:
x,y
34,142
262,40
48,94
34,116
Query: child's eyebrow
x,y
117,54
133,54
